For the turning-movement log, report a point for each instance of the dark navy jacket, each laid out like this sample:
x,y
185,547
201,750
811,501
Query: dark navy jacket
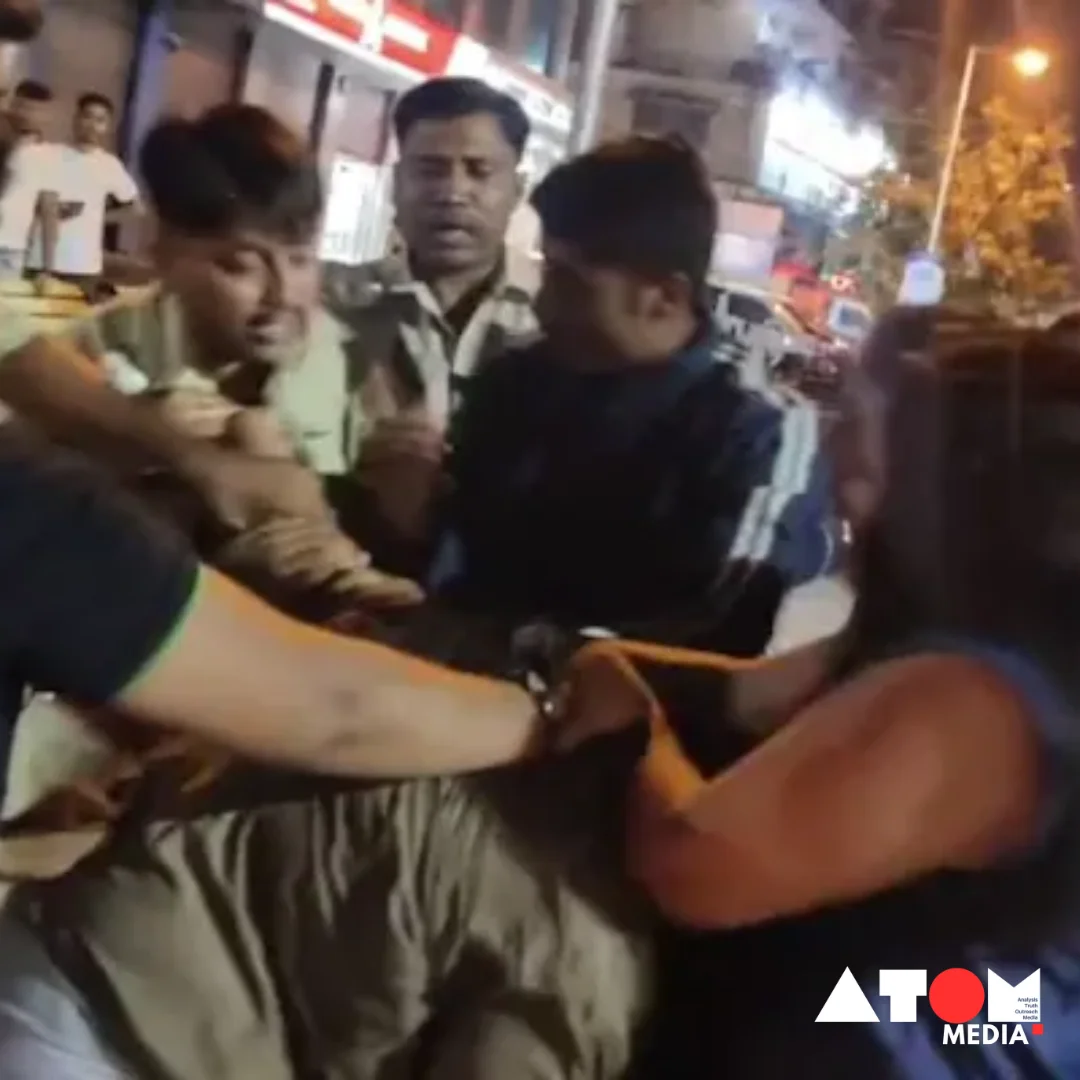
x,y
620,497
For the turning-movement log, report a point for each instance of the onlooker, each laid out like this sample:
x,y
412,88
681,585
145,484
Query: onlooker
x,y
31,110
618,470
91,182
426,320
34,175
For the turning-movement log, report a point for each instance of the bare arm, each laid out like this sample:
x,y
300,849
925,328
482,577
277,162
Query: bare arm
x,y
243,676
916,765
51,383
106,607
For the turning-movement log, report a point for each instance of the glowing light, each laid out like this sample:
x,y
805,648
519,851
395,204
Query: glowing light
x,y
1031,63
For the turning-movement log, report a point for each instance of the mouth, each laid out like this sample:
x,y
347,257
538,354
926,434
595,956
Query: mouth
x,y
273,333
452,233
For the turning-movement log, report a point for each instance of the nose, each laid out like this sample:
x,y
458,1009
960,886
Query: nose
x,y
455,187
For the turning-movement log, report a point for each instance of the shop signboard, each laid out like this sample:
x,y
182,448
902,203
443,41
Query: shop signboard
x,y
355,21
368,28
411,42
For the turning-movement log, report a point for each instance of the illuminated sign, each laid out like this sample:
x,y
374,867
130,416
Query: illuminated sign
x,y
370,28
408,42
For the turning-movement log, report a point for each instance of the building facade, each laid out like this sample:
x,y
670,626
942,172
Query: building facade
x,y
331,68
772,92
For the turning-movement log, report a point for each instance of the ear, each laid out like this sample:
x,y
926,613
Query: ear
x,y
396,182
663,296
521,185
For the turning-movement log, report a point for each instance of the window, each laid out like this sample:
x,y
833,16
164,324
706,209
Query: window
x,y
495,25
667,114
541,33
750,310
582,24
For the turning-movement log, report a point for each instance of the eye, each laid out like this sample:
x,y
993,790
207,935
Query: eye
x,y
239,263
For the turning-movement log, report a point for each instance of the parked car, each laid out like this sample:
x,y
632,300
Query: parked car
x,y
762,322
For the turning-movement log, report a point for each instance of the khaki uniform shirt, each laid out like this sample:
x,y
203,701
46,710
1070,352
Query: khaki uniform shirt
x,y
408,356
379,348
145,346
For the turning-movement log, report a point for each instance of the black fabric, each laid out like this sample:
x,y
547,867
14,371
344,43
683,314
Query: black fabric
x,y
90,588
611,499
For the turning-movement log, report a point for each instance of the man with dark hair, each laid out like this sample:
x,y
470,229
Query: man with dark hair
x,y
617,471
427,319
103,607
91,181
235,320
30,201
31,109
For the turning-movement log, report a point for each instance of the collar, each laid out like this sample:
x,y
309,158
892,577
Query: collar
x,y
180,356
700,353
515,281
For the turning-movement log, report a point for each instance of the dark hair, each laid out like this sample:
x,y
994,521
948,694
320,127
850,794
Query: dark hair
x,y
641,203
20,20
32,90
92,99
453,97
980,466
236,166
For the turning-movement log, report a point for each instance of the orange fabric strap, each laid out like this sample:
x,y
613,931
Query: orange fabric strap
x,y
665,768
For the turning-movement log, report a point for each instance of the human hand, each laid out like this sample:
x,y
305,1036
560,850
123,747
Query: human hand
x,y
243,490
401,464
412,436
603,694
199,414
305,554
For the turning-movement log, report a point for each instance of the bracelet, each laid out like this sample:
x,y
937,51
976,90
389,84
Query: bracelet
x,y
533,648
548,703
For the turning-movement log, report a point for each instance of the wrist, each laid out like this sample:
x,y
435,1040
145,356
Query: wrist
x,y
194,461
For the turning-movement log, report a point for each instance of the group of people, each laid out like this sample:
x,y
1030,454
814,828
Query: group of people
x,y
497,779
61,196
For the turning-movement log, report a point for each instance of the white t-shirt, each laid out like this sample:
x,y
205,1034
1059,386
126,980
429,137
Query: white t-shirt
x,y
90,177
34,168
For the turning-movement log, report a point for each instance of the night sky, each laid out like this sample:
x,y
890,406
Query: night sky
x,y
1052,24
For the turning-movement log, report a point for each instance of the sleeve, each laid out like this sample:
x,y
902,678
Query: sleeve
x,y
1047,709
92,589
789,520
15,331
475,435
122,186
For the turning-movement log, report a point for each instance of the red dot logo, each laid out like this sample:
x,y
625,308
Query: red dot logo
x,y
957,996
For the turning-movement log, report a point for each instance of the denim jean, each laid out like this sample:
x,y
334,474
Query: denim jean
x,y
45,1031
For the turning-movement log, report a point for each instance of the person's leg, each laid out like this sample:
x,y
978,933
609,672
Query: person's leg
x,y
45,1031
253,944
541,952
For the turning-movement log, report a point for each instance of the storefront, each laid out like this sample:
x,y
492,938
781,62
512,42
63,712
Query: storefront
x,y
360,55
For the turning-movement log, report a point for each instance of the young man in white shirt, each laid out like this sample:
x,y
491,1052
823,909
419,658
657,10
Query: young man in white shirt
x,y
30,196
93,185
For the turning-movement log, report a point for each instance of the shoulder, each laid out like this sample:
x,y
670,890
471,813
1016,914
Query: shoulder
x,y
127,324
518,366
361,286
111,166
37,160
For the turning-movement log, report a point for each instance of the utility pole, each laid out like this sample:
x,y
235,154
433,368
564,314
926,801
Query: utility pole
x,y
594,67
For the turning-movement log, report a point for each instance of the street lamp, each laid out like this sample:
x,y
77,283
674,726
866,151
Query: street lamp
x,y
1031,63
